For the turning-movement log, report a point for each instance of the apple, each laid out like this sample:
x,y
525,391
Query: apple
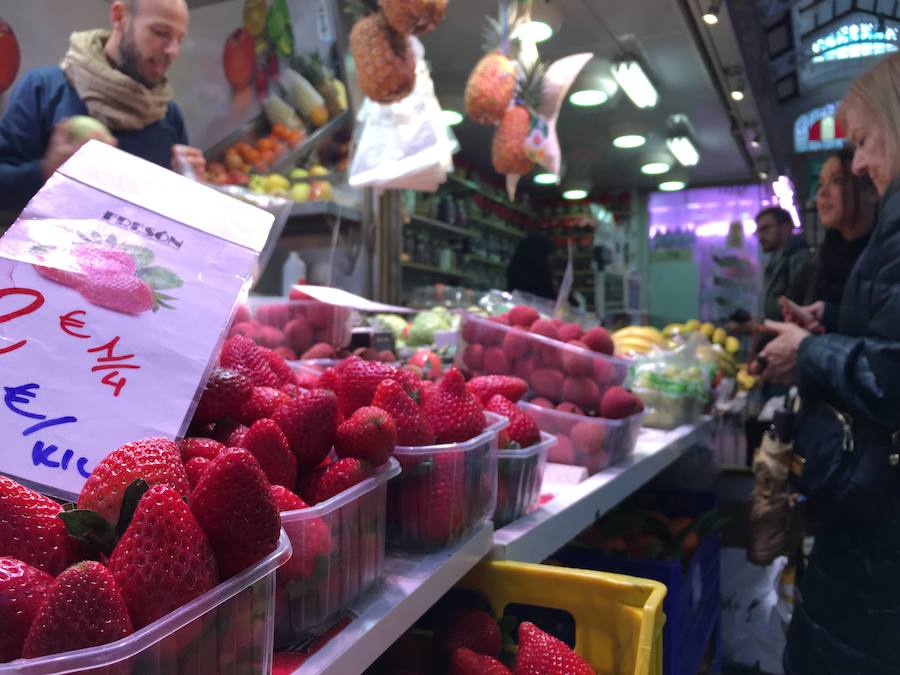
x,y
82,127
299,174
318,170
301,192
320,190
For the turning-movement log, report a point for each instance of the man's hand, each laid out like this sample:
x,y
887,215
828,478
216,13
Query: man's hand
x,y
61,146
808,317
188,161
780,355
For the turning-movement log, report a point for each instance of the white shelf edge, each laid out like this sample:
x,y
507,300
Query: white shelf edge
x,y
411,585
537,535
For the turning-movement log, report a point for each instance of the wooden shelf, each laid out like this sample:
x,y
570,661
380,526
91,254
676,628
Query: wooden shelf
x,y
436,271
441,225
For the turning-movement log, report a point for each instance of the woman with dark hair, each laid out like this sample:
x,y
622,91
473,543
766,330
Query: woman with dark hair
x,y
846,206
530,270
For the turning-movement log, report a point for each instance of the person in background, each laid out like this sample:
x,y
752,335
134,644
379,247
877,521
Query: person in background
x,y
788,254
846,208
117,76
531,270
847,618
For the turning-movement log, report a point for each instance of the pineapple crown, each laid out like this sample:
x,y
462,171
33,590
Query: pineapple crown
x,y
530,84
492,35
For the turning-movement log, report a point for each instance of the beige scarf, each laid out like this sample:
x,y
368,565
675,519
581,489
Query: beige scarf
x,y
112,97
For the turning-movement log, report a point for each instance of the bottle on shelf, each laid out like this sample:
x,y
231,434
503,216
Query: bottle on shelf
x,y
293,272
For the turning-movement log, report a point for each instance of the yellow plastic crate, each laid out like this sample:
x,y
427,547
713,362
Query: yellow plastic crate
x,y
618,619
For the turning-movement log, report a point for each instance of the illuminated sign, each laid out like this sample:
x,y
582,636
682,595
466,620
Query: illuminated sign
x,y
818,130
854,41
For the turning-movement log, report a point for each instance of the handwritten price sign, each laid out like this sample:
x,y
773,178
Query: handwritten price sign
x,y
116,285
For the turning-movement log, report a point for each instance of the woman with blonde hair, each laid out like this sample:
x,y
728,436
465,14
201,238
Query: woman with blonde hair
x,y
845,361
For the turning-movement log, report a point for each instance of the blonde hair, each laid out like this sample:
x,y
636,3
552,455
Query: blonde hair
x,y
878,91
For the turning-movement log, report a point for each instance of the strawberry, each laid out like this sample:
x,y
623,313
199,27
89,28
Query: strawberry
x,y
310,424
582,391
471,628
292,390
597,339
279,366
515,345
123,293
244,356
467,662
413,429
567,407
522,429
473,357
234,506
230,433
369,434
328,379
570,331
485,387
496,362
410,381
429,362
299,334
545,328
542,654
312,540
163,559
199,447
306,380
286,500
223,396
286,353
547,383
83,608
523,315
195,468
338,476
618,403
320,350
246,328
455,414
31,531
357,381
156,460
542,402
441,497
22,589
577,362
268,444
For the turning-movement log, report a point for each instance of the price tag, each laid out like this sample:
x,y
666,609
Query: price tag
x,y
116,285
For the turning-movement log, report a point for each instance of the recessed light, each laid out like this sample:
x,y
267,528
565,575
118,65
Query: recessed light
x,y
737,95
451,117
672,185
629,141
545,179
534,31
710,18
655,168
588,97
763,175
577,193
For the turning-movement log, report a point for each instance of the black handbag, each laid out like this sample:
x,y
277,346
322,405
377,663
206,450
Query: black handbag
x,y
845,472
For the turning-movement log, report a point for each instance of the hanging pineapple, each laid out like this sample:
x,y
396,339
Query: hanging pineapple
x,y
492,83
508,148
385,64
413,17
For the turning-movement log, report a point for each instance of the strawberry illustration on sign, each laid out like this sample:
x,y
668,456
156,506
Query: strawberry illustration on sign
x,y
111,274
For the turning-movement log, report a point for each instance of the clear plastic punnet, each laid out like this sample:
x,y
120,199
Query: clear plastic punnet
x,y
295,324
338,554
520,474
445,491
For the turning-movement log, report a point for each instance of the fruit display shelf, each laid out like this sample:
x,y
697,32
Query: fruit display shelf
x,y
445,227
411,585
540,533
435,271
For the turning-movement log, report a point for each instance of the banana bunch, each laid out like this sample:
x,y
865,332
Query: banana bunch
x,y
715,335
717,355
638,340
745,380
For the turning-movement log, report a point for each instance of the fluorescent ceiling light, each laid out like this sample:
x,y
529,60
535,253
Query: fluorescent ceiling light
x,y
710,18
588,97
684,150
451,117
655,168
576,193
737,95
545,179
629,141
672,185
634,81
534,31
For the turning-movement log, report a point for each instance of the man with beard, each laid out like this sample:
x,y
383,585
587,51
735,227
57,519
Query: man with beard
x,y
116,76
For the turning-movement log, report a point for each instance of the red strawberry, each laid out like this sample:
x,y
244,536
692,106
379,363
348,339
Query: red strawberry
x,y
542,654
234,506
244,356
515,344
582,391
455,414
292,390
279,366
485,387
522,428
306,380
428,361
597,339
619,403
83,608
199,447
299,334
195,468
467,662
286,500
410,381
576,362
438,485
320,350
542,402
357,381
523,315
328,379
269,337
546,328
370,434
570,331
470,628
22,589
31,530
473,357
268,444
286,353
94,259
310,424
225,393
245,328
156,460
413,429
312,540
230,433
496,362
338,476
123,293
547,383
163,559
567,407
263,402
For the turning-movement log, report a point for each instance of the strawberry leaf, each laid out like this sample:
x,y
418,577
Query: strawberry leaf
x,y
132,496
143,257
91,528
159,278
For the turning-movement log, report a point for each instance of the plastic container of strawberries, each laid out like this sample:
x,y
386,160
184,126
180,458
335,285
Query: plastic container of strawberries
x,y
338,555
520,474
296,324
228,629
592,442
444,491
552,369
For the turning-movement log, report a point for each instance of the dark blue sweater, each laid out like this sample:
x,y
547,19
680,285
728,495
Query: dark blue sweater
x,y
39,101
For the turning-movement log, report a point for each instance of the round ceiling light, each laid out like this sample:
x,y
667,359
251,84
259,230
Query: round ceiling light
x,y
737,95
672,185
545,179
451,117
710,19
655,168
587,98
576,193
534,31
629,141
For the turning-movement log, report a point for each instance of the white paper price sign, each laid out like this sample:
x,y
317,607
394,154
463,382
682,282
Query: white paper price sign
x,y
116,285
